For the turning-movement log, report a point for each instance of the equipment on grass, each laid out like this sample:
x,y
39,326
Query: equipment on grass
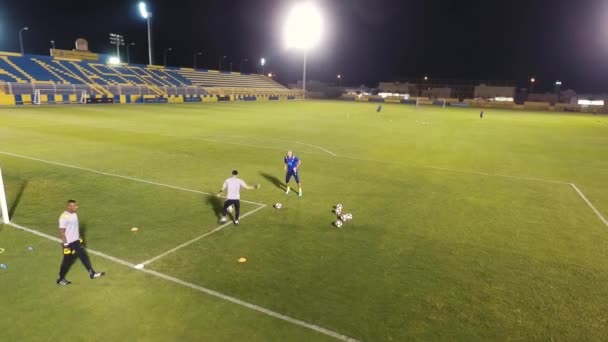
x,y
338,206
338,224
241,260
3,266
139,266
420,101
278,206
134,229
2,250
230,209
338,211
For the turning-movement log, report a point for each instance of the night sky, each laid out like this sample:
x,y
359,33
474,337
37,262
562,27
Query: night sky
x,y
366,41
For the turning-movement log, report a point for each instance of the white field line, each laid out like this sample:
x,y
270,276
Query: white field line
x,y
481,173
205,290
309,145
187,243
119,176
597,212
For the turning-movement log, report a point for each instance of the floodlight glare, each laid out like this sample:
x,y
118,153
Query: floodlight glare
x,y
263,61
303,27
143,10
114,60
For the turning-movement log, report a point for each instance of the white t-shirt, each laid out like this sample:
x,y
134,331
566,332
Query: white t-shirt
x,y
234,185
69,222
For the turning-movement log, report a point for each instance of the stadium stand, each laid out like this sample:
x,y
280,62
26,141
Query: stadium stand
x,y
24,76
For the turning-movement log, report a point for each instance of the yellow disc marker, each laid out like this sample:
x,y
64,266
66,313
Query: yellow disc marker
x,y
134,229
242,260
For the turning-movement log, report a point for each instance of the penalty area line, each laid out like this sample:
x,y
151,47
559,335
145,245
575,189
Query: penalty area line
x,y
139,180
202,289
187,243
597,212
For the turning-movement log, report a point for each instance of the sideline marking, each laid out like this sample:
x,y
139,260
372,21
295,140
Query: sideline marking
x,y
205,290
597,212
120,176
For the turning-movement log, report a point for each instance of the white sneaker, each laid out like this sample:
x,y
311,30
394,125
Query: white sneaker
x,y
223,220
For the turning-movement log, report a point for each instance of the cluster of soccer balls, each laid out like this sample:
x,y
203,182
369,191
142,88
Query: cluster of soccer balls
x,y
342,218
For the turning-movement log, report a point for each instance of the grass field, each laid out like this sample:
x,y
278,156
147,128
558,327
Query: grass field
x,y
464,228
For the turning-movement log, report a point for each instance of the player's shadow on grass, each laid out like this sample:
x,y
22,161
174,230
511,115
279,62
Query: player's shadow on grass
x,y
217,203
13,208
274,180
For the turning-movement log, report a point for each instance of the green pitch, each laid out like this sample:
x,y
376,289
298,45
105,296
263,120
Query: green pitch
x,y
464,228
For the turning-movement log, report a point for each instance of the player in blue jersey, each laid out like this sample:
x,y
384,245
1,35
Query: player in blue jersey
x,y
292,166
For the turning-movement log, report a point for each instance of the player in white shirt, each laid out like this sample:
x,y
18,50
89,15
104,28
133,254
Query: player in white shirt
x,y
71,243
233,186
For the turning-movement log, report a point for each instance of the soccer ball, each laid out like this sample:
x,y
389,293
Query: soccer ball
x,y
338,206
338,223
230,209
338,211
349,216
278,205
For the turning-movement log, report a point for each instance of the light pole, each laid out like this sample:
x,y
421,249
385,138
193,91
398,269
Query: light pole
x,y
558,85
241,64
220,61
53,44
263,63
21,37
303,30
532,81
128,55
165,55
195,56
143,11
339,77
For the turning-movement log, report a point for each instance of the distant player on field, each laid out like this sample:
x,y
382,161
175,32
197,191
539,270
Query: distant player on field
x,y
233,196
292,166
72,244
379,109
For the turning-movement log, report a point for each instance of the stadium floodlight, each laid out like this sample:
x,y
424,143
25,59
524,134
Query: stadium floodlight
x,y
558,83
21,38
270,75
263,61
3,204
532,80
53,44
426,78
146,14
114,60
303,30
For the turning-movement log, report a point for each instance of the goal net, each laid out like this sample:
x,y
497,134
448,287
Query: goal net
x,y
52,96
422,101
3,206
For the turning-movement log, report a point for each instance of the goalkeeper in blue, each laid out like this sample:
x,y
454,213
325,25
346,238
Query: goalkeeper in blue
x,y
292,166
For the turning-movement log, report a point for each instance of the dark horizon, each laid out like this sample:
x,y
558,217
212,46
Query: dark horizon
x,y
366,42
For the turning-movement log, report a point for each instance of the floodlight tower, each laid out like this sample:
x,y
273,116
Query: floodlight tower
x,y
303,30
146,14
263,63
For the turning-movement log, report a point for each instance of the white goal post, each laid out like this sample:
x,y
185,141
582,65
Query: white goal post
x,y
3,204
420,101
66,97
